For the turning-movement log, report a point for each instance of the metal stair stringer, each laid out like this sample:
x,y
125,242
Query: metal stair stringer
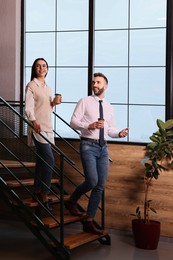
x,y
32,221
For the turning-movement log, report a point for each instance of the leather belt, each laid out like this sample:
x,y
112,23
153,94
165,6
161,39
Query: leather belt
x,y
91,140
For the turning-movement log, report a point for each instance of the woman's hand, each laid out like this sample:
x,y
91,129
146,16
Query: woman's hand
x,y
36,126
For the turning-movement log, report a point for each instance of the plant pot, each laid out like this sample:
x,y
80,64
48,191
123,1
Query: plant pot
x,y
146,236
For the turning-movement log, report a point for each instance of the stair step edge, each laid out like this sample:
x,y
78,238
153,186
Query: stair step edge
x,y
27,182
16,164
78,239
30,203
49,222
81,238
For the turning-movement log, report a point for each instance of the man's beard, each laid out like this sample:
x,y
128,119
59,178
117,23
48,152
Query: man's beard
x,y
100,91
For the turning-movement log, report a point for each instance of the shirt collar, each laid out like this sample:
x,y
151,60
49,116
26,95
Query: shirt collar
x,y
39,83
97,98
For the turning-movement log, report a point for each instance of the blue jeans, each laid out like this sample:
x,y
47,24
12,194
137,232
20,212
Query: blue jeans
x,y
95,163
43,172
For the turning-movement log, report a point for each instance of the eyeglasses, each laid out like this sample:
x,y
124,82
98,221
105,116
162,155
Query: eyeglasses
x,y
41,66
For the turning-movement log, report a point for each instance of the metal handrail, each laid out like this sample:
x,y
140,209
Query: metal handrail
x,y
63,158
66,123
55,148
22,185
64,140
39,230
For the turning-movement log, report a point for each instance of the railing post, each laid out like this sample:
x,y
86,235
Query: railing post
x,y
103,210
62,200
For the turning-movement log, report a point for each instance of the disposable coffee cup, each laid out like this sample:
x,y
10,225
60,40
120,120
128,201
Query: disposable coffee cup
x,y
57,99
101,119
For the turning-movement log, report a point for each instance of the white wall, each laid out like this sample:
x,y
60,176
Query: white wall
x,y
10,31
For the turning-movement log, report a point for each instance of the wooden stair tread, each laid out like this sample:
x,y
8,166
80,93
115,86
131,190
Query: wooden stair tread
x,y
16,164
30,203
78,239
25,182
51,223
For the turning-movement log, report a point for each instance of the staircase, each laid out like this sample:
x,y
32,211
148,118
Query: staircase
x,y
16,189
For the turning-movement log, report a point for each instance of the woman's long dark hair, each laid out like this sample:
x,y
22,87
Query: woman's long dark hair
x,y
33,73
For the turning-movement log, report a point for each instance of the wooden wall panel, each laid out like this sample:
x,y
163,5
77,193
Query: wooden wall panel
x,y
124,189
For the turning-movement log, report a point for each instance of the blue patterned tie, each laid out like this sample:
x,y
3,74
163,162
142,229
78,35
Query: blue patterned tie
x,y
101,135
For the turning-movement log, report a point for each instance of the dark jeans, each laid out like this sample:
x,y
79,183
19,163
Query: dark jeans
x,y
95,163
42,171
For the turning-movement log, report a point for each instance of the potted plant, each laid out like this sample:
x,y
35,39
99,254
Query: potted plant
x,y
158,158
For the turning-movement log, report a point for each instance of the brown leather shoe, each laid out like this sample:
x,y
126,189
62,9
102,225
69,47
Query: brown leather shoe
x,y
72,207
89,227
44,199
38,196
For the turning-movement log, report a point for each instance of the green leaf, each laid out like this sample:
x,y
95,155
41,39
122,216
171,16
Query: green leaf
x,y
159,149
153,210
134,215
151,145
160,124
169,133
157,133
137,210
169,124
162,132
161,167
154,138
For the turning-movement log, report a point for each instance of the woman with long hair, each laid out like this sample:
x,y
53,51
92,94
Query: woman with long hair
x,y
38,108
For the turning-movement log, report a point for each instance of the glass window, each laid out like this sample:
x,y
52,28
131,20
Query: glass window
x,y
111,48
121,119
72,49
72,15
111,14
40,15
72,83
142,121
147,47
65,111
117,91
129,48
148,13
40,45
147,86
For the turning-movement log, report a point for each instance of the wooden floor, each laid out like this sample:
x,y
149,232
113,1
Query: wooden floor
x,y
17,243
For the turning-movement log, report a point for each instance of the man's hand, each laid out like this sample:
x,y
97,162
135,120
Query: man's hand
x,y
96,125
124,132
